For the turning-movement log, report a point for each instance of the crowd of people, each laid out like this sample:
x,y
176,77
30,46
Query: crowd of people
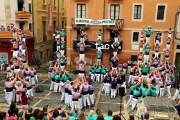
x,y
145,78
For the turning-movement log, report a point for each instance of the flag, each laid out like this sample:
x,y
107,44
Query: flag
x,y
23,14
9,34
119,23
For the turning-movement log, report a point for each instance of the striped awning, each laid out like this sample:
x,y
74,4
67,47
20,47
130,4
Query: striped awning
x,y
23,14
9,34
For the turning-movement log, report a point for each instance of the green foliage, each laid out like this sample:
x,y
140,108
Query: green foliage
x,y
177,70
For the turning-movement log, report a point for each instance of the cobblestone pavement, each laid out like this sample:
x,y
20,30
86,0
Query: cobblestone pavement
x,y
104,103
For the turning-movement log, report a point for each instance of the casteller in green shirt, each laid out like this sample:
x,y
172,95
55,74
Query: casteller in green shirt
x,y
71,117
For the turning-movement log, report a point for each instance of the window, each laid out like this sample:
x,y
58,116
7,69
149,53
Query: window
x,y
44,31
81,11
30,27
111,56
114,12
20,5
137,11
30,9
62,3
54,2
133,57
41,55
47,52
44,1
62,24
178,47
160,12
54,25
21,25
135,36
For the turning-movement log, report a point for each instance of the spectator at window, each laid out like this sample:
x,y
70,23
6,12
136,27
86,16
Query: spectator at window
x,y
8,28
2,28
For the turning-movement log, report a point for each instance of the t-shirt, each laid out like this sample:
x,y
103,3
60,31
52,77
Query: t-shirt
x,y
75,115
157,48
24,100
57,77
148,32
116,33
153,92
2,60
99,55
145,70
62,46
146,49
62,33
90,117
108,118
100,33
11,112
136,93
114,63
94,117
71,117
28,116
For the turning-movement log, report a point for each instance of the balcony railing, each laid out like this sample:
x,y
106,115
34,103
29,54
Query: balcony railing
x,y
78,25
118,25
23,15
9,34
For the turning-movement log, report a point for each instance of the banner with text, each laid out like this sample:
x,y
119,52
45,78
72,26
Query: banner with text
x,y
94,22
91,45
49,17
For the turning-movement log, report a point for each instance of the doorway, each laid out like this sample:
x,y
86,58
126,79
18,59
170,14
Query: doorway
x,y
20,5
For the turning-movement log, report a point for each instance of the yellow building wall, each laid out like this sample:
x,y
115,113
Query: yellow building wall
x,y
94,10
41,14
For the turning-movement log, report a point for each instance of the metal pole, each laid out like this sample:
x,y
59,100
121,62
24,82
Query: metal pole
x,y
103,27
58,13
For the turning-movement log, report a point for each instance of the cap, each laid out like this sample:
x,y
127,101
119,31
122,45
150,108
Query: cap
x,y
79,82
149,26
62,29
83,29
116,29
12,23
85,83
19,29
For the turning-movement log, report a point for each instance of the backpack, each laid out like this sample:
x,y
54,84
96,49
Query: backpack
x,y
37,90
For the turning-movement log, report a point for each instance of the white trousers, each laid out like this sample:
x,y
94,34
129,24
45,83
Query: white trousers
x,y
23,51
116,39
52,85
2,68
9,96
81,57
70,100
81,74
168,90
75,104
134,102
99,49
62,96
86,98
130,79
13,95
107,88
80,103
140,61
62,68
29,93
33,81
167,75
114,68
36,78
92,76
129,69
12,72
24,39
19,37
124,70
62,53
147,40
18,97
157,90
168,46
66,98
58,36
98,78
103,88
157,41
50,74
176,94
15,54
141,49
161,92
14,35
156,54
102,77
58,48
8,74
115,53
82,40
169,35
20,47
99,37
92,98
146,58
129,101
117,88
56,85
124,85
62,39
16,70
113,93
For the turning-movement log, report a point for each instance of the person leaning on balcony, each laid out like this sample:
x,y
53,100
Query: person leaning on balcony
x,y
2,28
8,28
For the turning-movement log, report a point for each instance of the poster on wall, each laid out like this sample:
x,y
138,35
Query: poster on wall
x,y
5,56
50,17
91,45
94,22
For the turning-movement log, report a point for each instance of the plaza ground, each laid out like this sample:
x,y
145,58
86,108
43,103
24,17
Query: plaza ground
x,y
104,103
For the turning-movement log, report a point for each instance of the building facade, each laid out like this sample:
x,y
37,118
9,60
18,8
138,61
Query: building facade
x,y
19,12
135,13
45,43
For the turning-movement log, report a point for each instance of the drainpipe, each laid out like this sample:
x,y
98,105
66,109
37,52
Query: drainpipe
x,y
175,27
103,27
33,30
58,13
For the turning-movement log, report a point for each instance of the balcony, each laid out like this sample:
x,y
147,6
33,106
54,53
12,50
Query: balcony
x,y
9,34
77,26
22,15
119,25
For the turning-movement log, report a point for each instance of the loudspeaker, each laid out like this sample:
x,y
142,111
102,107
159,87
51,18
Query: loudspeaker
x,y
121,91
